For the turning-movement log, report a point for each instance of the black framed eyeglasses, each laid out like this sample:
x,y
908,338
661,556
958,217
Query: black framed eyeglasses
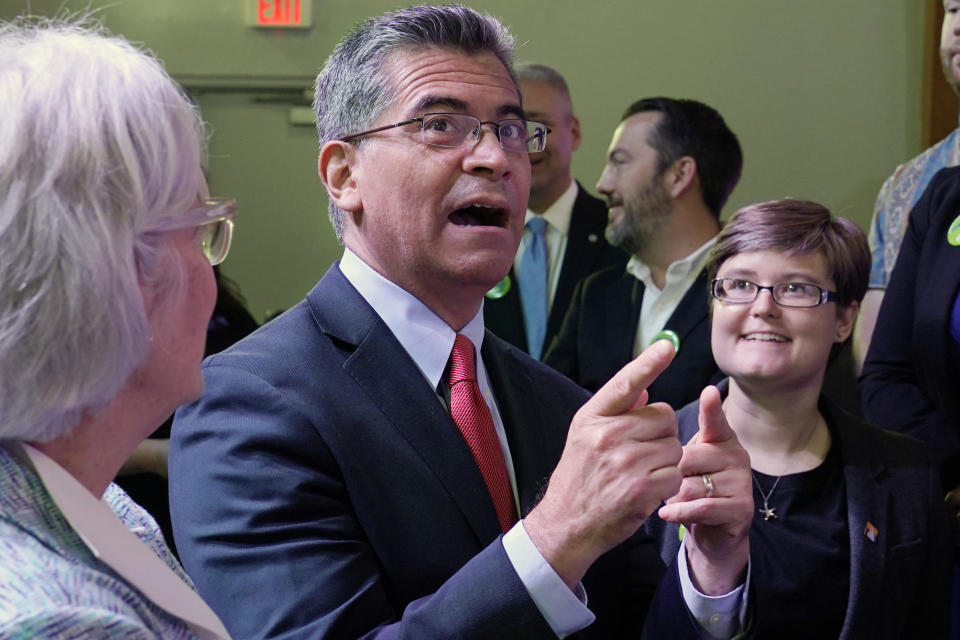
x,y
785,294
451,129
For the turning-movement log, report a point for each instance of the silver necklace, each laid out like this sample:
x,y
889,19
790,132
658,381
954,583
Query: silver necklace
x,y
767,510
769,513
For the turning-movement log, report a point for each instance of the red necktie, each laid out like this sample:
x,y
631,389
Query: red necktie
x,y
472,417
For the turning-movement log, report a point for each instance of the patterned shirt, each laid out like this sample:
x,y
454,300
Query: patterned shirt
x,y
51,585
897,197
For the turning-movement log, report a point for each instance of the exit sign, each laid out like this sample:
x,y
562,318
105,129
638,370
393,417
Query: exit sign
x,y
282,14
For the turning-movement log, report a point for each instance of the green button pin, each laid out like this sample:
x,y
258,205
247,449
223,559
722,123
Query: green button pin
x,y
953,233
672,336
500,289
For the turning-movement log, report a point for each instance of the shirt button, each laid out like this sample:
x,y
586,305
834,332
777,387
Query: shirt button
x,y
714,619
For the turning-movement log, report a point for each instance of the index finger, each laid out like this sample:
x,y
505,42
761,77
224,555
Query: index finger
x,y
713,422
623,390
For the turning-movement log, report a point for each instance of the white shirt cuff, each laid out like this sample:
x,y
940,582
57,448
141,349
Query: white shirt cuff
x,y
721,616
564,610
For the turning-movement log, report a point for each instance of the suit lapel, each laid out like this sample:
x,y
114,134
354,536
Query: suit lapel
x,y
584,246
868,507
505,315
621,313
522,418
692,310
393,382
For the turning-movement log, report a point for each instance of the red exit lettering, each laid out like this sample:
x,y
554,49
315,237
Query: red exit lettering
x,y
278,12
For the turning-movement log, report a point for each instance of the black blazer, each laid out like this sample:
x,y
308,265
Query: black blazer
x,y
587,252
319,489
899,583
910,376
597,337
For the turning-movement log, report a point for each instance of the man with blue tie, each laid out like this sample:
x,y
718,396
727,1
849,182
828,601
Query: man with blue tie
x,y
374,464
563,239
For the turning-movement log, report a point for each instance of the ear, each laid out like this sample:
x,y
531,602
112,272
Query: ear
x,y
575,132
846,317
335,166
681,176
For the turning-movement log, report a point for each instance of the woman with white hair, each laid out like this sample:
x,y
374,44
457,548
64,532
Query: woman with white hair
x,y
107,237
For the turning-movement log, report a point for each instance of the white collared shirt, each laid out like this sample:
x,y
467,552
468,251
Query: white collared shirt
x,y
557,216
659,304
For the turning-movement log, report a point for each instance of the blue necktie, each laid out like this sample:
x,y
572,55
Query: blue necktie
x,y
532,277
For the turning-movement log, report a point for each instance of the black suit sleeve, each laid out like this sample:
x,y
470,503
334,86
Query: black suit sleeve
x,y
892,391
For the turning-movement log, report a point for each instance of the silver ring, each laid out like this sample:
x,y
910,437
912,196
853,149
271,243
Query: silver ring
x,y
707,484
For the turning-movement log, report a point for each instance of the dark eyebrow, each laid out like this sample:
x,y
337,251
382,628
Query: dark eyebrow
x,y
429,103
511,111
456,105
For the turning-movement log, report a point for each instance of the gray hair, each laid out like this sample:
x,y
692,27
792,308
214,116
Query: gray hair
x,y
534,72
353,89
97,144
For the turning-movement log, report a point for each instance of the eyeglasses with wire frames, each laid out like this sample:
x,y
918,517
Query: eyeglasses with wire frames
x,y
214,220
785,294
451,129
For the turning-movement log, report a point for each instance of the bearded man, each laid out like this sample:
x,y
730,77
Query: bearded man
x,y
670,168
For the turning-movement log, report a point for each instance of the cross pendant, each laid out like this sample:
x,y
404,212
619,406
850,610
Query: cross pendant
x,y
768,513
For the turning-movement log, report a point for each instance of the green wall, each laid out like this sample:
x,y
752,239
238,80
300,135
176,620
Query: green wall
x,y
825,96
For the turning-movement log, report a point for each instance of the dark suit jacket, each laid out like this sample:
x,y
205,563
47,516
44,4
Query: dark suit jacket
x,y
320,489
899,585
909,379
597,337
587,252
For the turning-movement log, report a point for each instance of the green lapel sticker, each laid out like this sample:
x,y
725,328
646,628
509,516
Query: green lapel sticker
x,y
953,233
500,289
672,336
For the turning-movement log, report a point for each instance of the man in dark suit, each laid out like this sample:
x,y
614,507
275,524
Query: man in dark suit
x,y
670,168
575,220
355,470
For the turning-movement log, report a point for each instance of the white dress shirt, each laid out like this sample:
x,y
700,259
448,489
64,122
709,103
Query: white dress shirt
x,y
659,304
429,341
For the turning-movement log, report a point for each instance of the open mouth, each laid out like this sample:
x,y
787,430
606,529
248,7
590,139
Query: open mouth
x,y
479,215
